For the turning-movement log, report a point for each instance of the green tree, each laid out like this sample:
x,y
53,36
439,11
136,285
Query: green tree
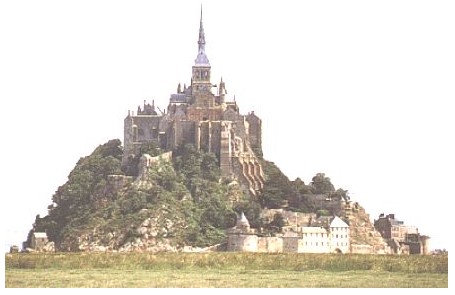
x,y
75,201
277,187
321,184
299,200
276,224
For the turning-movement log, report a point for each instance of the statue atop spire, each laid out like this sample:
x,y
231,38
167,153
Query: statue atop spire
x,y
201,58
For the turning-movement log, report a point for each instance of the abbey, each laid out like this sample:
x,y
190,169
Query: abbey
x,y
200,114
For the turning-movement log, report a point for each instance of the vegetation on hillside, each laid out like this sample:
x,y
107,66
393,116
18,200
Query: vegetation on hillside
x,y
76,203
280,192
188,191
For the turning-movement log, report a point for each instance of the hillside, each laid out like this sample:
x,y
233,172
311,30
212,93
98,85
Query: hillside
x,y
179,200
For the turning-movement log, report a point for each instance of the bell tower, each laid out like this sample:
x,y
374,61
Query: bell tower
x,y
200,81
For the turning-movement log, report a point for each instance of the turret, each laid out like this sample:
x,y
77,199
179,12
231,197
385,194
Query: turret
x,y
222,91
242,222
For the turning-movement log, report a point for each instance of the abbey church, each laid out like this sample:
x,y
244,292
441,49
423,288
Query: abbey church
x,y
201,114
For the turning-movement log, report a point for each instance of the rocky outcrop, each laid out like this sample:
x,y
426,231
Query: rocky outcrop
x,y
291,219
48,247
364,238
154,234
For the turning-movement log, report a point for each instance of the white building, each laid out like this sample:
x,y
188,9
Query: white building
x,y
315,240
339,236
327,235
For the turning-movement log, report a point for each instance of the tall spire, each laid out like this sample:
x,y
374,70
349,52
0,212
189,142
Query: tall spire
x,y
201,58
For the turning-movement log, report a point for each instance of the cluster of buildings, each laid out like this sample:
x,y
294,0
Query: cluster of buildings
x,y
401,238
325,235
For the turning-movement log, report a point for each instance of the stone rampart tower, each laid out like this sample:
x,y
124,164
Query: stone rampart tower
x,y
201,115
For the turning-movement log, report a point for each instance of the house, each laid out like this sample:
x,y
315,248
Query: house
x,y
339,236
39,241
391,228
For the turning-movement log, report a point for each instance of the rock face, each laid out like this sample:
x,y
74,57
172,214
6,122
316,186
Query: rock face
x,y
291,219
154,234
364,238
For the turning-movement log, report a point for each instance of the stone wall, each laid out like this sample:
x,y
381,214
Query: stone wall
x,y
362,249
138,130
292,244
147,161
270,245
249,172
242,242
254,130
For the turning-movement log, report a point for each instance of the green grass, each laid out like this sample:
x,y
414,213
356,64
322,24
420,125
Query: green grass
x,y
239,270
206,278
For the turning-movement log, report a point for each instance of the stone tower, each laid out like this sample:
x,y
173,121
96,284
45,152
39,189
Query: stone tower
x,y
242,237
212,123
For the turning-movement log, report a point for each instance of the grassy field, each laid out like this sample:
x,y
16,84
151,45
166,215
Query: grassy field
x,y
224,270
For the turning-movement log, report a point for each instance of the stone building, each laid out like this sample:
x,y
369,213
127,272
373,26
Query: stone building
x,y
391,228
403,239
241,237
39,241
326,235
201,114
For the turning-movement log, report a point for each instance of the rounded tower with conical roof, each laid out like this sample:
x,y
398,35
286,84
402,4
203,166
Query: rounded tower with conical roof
x,y
242,237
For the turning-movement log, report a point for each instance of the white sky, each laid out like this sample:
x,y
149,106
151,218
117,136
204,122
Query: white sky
x,y
359,90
